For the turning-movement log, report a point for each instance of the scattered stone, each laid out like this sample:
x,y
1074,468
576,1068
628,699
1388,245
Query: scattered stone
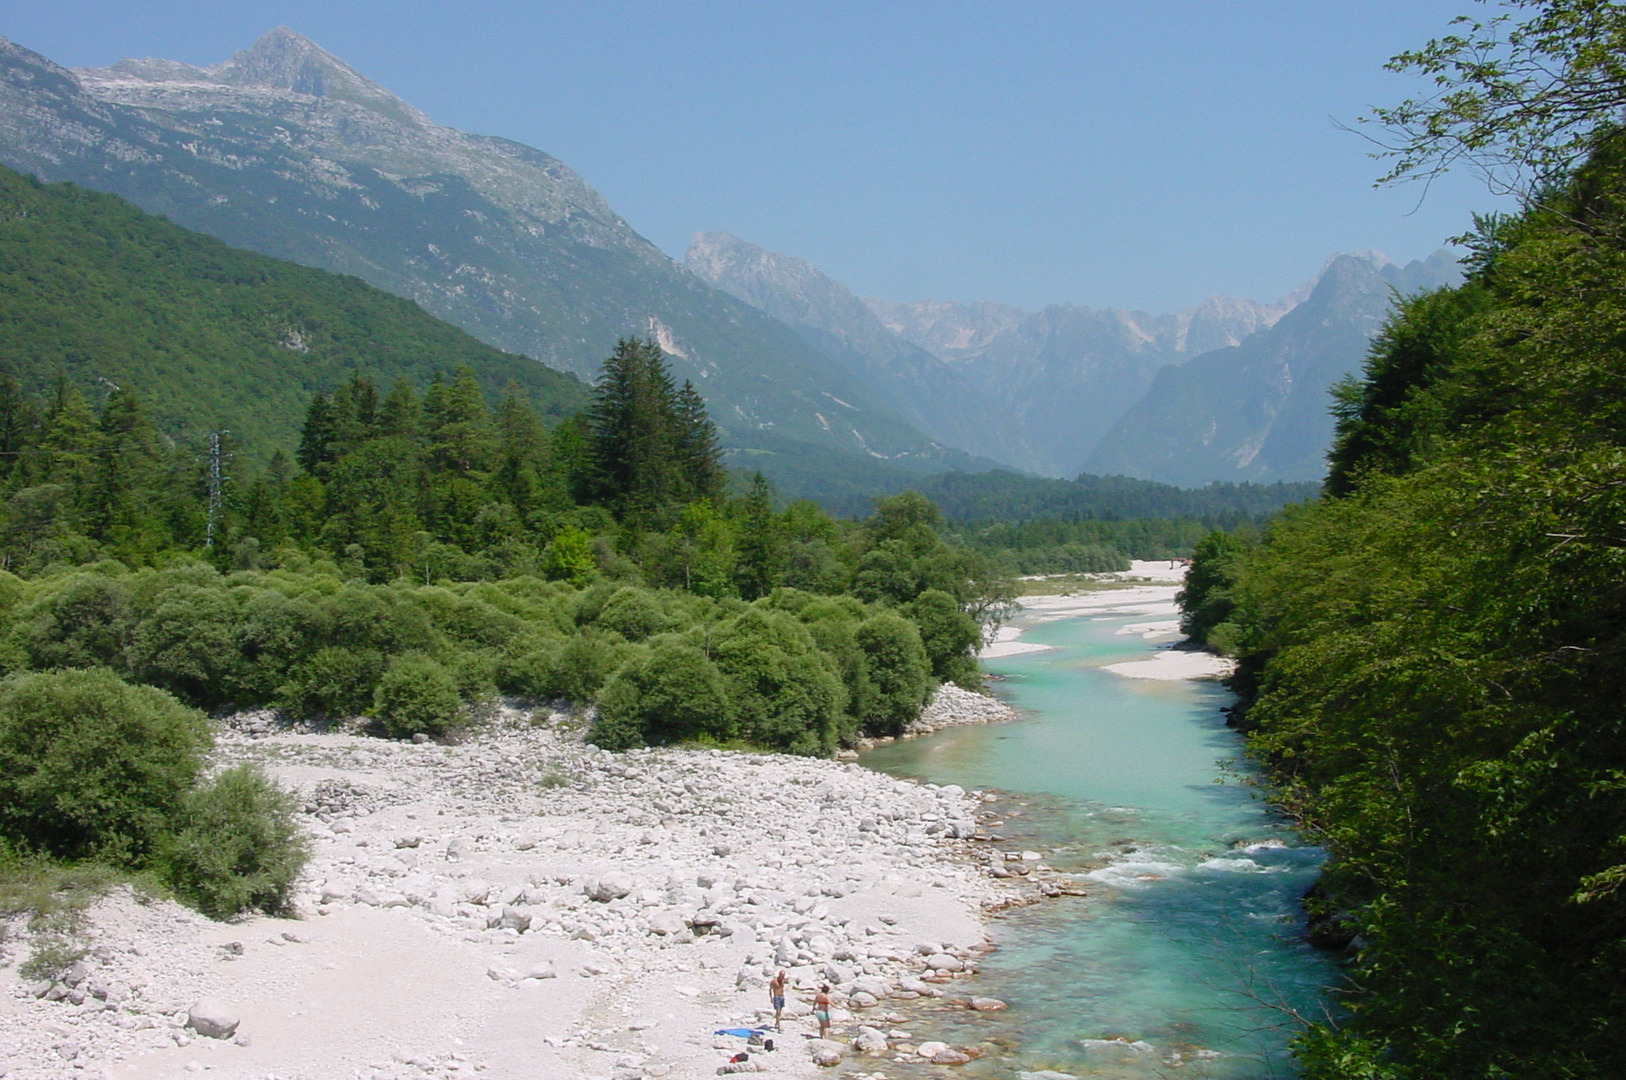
x,y
611,886
986,1004
543,970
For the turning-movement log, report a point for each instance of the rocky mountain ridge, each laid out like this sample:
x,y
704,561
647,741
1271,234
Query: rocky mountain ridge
x,y
1261,410
286,150
825,312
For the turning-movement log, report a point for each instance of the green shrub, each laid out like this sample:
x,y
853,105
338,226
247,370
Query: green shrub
x,y
783,691
417,695
83,621
899,675
584,664
385,619
188,644
237,846
528,671
672,695
474,674
335,681
90,766
274,632
635,614
950,636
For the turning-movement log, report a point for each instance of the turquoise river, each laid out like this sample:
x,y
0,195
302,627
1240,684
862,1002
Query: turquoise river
x,y
1185,957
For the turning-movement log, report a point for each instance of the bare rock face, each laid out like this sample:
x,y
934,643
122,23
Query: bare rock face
x,y
212,1019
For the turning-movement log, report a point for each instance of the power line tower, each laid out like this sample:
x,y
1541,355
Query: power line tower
x,y
217,483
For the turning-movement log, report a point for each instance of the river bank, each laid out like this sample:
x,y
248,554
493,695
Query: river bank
x,y
524,905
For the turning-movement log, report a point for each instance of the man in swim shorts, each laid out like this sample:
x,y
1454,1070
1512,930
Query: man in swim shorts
x,y
776,995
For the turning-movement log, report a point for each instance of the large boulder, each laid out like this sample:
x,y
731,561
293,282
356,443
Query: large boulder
x,y
611,886
473,891
667,924
212,1019
825,1054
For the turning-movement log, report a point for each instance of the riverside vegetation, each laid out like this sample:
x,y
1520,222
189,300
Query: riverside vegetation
x,y
426,555
1431,655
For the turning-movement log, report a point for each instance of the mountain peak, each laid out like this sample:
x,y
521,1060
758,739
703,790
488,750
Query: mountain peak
x,y
281,62
284,60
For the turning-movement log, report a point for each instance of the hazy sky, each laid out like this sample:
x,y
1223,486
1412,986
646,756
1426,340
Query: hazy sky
x,y
1133,153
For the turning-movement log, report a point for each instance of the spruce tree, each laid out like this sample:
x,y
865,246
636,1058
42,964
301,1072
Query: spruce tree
x,y
651,446
699,456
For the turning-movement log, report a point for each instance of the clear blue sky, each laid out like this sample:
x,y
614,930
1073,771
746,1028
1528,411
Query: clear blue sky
x,y
1105,152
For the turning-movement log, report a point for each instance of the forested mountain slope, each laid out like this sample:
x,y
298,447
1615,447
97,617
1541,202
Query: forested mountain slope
x,y
1436,660
285,150
211,336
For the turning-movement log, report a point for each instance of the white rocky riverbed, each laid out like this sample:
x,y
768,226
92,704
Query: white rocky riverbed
x,y
525,905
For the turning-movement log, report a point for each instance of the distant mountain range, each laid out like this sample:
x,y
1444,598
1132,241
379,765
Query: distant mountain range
x,y
1260,410
1227,390
285,150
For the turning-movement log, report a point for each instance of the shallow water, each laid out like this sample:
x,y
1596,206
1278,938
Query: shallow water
x,y
1188,944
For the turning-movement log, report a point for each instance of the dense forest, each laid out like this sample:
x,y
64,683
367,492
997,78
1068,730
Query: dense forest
x,y
1431,654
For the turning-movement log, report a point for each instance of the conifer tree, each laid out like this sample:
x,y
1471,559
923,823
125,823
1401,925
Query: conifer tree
x,y
401,415
315,451
650,446
125,471
760,552
459,424
699,456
